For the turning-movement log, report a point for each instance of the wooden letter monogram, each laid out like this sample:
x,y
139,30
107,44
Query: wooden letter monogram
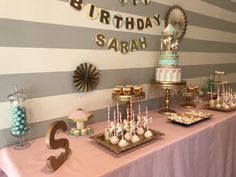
x,y
53,162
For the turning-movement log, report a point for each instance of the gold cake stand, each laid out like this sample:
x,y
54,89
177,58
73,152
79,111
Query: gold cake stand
x,y
189,101
127,99
168,86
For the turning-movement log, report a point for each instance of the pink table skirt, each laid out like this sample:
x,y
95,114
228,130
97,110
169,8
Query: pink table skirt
x,y
2,174
206,149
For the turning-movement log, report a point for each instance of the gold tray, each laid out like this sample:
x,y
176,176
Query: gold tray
x,y
221,83
100,139
190,123
220,109
169,85
125,98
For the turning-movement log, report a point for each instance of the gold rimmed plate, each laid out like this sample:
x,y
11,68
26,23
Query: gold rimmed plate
x,y
100,139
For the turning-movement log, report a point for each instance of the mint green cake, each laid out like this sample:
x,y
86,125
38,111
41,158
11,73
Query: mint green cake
x,y
168,70
168,60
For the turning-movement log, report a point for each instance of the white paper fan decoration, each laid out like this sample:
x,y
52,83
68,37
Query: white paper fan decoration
x,y
177,18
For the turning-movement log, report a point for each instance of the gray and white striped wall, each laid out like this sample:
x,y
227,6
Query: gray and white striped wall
x,y
42,42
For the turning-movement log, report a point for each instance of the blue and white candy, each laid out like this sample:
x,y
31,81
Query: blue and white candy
x,y
19,126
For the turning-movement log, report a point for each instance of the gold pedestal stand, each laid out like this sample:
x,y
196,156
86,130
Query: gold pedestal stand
x,y
127,99
168,86
189,101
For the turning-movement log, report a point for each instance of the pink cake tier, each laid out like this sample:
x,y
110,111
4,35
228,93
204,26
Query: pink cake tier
x,y
168,74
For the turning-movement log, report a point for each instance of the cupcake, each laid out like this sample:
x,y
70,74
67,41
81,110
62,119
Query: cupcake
x,y
84,132
118,90
76,132
137,89
190,88
127,90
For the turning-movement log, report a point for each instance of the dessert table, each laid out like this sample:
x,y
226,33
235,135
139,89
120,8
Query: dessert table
x,y
205,149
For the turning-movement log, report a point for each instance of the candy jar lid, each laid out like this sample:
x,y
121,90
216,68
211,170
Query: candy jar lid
x,y
17,95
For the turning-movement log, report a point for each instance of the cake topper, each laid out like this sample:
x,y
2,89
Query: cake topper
x,y
169,39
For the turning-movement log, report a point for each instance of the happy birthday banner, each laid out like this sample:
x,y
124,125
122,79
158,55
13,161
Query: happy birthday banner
x,y
104,16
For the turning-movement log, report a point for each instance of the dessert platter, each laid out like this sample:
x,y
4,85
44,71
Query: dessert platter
x,y
123,134
189,118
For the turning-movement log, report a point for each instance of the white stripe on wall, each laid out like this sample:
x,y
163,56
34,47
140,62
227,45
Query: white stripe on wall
x,y
202,8
36,60
75,18
194,58
47,108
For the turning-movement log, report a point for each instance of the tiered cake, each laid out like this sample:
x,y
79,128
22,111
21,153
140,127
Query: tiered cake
x,y
168,70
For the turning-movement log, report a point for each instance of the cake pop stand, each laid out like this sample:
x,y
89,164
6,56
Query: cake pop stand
x,y
168,87
219,92
127,99
217,85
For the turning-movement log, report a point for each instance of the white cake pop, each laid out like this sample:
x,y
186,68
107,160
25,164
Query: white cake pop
x,y
226,107
148,134
140,130
232,105
218,105
135,139
128,136
114,140
123,143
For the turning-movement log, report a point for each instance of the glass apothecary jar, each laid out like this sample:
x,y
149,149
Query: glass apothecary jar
x,y
19,126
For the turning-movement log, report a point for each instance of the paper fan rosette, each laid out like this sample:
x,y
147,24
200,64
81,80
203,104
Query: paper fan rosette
x,y
176,16
85,77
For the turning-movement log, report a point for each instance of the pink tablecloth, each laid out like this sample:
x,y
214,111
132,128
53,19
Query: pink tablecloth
x,y
2,174
207,149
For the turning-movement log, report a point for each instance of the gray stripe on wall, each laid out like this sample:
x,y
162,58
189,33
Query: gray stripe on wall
x,y
194,71
59,83
194,19
16,33
225,4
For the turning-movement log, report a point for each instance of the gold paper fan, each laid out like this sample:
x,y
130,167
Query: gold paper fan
x,y
178,19
85,77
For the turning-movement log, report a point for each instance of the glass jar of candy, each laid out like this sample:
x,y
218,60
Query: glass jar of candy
x,y
19,126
